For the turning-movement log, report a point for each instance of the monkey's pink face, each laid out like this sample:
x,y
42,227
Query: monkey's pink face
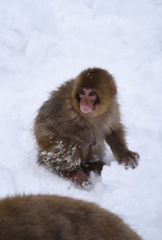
x,y
87,100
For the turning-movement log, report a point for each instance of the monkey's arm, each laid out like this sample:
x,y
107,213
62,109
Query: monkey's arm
x,y
75,134
117,143
78,131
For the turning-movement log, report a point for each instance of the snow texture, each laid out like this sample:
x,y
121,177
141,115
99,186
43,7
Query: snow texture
x,y
44,43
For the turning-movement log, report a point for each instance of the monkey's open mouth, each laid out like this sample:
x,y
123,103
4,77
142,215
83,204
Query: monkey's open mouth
x,y
86,110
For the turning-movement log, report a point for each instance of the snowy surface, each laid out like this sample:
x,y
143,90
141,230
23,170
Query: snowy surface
x,y
44,43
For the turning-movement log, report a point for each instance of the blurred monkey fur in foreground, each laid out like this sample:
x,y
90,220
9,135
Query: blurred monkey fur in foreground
x,y
59,218
72,126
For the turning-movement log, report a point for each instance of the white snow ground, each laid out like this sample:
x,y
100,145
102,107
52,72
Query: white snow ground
x,y
44,43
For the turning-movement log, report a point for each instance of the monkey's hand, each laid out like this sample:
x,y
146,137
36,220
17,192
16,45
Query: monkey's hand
x,y
95,167
130,159
91,142
79,177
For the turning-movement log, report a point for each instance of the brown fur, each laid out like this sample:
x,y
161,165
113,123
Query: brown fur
x,y
59,218
100,81
64,134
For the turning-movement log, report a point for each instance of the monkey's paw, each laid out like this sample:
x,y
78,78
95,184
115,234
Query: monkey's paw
x,y
95,167
130,159
79,178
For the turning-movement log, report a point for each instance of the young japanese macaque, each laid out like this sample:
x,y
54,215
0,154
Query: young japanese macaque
x,y
74,124
44,217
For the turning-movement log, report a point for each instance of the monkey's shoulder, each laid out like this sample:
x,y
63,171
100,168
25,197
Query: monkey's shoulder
x,y
64,90
110,118
59,101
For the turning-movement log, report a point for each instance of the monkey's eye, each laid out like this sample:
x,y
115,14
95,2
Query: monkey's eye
x,y
92,93
82,92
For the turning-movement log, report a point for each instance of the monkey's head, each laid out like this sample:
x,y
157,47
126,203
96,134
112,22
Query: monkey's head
x,y
93,92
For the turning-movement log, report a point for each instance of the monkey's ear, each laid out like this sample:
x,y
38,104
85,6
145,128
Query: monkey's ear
x,y
113,88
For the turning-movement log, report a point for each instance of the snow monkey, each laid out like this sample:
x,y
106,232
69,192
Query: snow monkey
x,y
59,218
72,126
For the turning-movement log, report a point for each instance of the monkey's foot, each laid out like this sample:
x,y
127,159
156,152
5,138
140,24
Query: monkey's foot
x,y
95,167
79,177
130,159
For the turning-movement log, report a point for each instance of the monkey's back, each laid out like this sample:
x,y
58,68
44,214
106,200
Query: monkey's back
x,y
57,119
59,218
59,131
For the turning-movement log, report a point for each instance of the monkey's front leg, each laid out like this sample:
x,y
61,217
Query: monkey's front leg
x,y
94,166
130,159
117,143
78,177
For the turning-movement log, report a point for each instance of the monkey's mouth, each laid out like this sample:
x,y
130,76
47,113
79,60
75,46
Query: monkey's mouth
x,y
86,110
